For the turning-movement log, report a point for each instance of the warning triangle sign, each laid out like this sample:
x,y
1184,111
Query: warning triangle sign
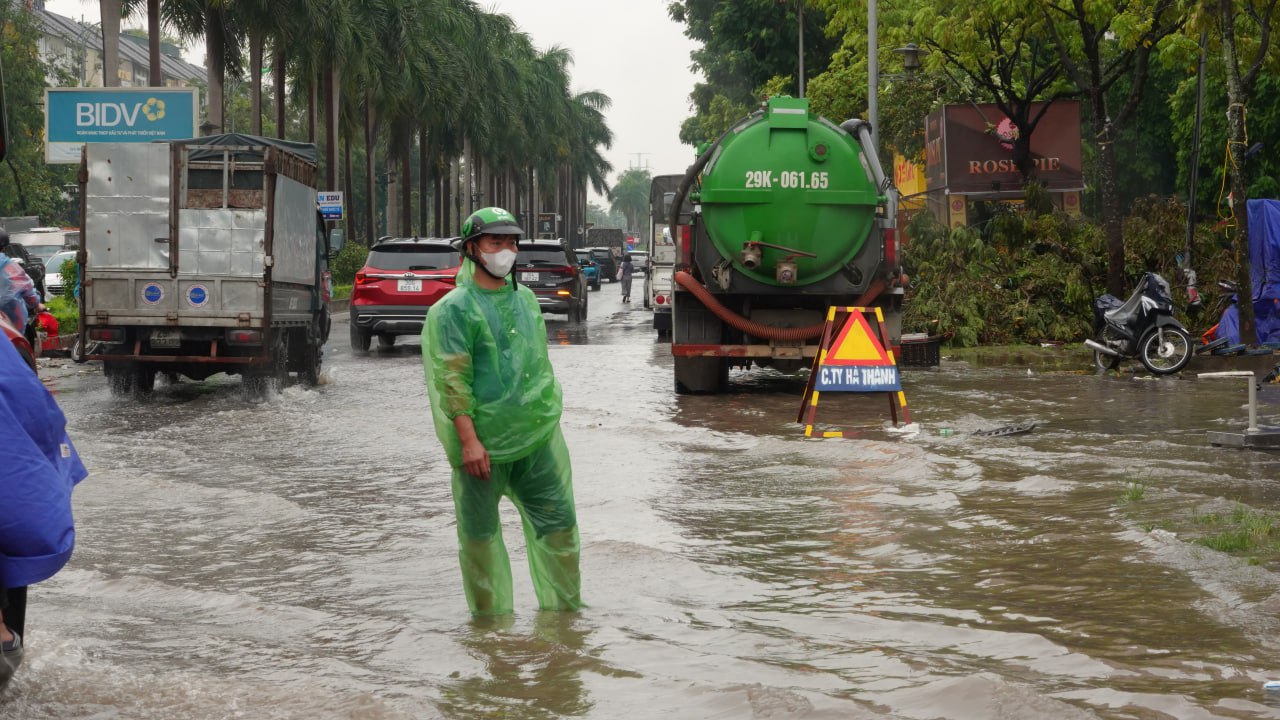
x,y
857,345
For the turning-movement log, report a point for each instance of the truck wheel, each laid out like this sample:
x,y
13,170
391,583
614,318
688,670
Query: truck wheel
x,y
701,375
312,357
360,338
119,377
144,379
258,380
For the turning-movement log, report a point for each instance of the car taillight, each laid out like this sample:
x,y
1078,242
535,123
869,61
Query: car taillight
x,y
361,278
891,247
237,336
660,299
107,335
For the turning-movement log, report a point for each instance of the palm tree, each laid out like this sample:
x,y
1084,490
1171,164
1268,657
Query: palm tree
x,y
630,196
111,12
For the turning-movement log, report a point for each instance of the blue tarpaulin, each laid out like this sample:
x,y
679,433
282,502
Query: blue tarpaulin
x,y
1264,271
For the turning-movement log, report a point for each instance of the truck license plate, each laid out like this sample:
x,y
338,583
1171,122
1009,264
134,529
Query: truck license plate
x,y
166,338
528,277
409,285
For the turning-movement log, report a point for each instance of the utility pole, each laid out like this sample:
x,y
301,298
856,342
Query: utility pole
x,y
639,163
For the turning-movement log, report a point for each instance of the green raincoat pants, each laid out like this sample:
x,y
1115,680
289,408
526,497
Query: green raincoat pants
x,y
541,487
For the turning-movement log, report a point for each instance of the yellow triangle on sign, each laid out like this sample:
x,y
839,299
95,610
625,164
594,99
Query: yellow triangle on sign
x,y
856,345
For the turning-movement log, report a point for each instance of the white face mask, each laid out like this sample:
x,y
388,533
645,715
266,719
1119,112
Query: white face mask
x,y
500,263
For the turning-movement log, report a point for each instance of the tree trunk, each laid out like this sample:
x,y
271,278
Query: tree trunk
x,y
347,182
458,184
1236,140
280,81
312,102
154,77
437,206
332,96
370,137
424,182
466,189
110,11
256,42
1112,214
406,178
215,42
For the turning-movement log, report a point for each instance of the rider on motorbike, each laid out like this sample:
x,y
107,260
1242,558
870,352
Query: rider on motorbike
x,y
21,301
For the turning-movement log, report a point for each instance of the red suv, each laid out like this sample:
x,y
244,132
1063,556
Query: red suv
x,y
400,280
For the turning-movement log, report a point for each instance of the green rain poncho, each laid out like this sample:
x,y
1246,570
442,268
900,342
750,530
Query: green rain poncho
x,y
484,354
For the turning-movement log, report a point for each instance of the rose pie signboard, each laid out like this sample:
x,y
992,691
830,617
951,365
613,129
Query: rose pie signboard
x,y
969,149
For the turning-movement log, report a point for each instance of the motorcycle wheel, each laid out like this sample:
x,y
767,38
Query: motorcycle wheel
x,y
1165,350
1104,362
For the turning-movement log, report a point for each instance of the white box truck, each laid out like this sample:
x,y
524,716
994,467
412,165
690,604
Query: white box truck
x,y
203,256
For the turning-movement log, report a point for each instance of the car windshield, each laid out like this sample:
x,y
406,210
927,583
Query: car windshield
x,y
600,253
540,256
413,257
54,263
44,252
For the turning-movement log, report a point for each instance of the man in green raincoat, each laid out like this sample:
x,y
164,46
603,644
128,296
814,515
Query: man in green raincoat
x,y
496,406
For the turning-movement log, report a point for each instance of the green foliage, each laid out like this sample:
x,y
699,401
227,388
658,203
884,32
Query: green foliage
x,y
28,185
630,196
1021,278
341,292
70,274
1262,117
1244,531
743,46
66,311
1134,490
603,217
350,259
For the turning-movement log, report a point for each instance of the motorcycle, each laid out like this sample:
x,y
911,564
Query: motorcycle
x,y
1142,326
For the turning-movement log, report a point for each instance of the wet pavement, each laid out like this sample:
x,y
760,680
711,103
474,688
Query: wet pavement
x,y
296,558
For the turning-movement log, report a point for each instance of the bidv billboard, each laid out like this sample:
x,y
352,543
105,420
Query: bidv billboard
x,y
75,116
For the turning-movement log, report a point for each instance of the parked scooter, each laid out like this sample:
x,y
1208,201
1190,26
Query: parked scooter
x,y
1142,326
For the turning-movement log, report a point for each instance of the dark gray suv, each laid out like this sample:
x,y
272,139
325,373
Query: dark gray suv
x,y
551,271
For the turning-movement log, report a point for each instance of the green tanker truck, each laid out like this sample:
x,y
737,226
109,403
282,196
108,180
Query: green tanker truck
x,y
792,214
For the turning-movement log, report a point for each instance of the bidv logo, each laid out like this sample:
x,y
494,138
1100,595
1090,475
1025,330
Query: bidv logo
x,y
114,114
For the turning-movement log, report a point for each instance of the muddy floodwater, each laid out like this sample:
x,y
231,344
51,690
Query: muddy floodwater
x,y
296,558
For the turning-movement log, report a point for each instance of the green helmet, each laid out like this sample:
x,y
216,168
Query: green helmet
x,y
490,221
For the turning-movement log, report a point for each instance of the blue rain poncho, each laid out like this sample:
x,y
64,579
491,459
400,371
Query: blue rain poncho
x,y
484,354
40,467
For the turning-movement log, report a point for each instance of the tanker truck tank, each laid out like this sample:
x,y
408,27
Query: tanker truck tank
x,y
793,214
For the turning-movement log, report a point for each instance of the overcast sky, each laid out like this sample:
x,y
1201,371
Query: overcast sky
x,y
628,49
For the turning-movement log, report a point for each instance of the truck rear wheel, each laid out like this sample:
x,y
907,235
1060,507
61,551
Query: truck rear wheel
x,y
701,375
313,356
119,377
258,380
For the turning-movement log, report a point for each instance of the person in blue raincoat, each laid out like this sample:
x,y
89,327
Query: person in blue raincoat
x,y
38,468
496,408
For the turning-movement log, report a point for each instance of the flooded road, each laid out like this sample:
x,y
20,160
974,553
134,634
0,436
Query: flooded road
x,y
297,558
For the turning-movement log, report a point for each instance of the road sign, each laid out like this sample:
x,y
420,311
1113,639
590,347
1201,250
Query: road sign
x,y
75,116
852,358
330,204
